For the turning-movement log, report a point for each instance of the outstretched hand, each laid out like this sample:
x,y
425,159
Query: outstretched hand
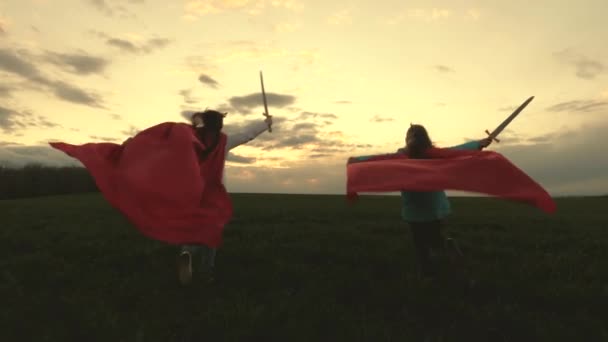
x,y
268,120
485,142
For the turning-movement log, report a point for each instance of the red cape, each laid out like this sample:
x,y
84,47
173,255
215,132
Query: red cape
x,y
157,181
483,172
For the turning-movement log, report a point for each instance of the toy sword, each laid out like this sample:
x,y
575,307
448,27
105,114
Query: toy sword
x,y
505,123
265,102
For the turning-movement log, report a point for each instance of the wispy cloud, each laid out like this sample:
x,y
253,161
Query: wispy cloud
x,y
379,119
235,158
306,134
193,9
187,96
18,63
13,120
6,90
77,63
208,80
580,106
131,131
146,47
244,104
443,68
104,139
309,115
507,108
426,14
586,68
114,8
263,52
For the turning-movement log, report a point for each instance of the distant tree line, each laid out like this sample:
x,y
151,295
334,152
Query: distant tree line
x,y
39,180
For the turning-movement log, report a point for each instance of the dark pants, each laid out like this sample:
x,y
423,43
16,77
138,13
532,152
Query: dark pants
x,y
427,236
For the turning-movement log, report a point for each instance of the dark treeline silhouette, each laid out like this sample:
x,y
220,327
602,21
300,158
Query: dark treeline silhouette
x,y
37,180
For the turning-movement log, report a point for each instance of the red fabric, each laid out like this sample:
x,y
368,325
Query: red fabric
x,y
474,171
157,181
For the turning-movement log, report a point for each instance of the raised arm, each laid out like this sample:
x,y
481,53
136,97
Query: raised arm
x,y
249,133
473,145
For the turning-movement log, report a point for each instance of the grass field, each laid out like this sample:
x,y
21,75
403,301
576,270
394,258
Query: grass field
x,y
304,268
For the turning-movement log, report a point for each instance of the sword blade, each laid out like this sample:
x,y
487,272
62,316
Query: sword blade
x,y
505,123
264,99
264,94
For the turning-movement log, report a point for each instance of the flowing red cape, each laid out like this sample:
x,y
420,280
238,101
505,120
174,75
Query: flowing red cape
x,y
157,181
483,172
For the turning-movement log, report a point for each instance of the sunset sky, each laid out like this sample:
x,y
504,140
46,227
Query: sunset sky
x,y
344,78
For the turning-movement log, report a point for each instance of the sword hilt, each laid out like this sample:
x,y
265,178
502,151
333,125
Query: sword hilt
x,y
490,135
269,126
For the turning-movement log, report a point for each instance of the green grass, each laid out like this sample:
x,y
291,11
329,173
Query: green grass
x,y
304,268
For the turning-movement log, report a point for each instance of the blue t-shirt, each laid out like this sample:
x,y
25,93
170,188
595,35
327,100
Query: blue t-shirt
x,y
429,205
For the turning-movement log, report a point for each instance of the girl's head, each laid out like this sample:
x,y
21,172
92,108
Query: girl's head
x,y
208,125
417,141
210,120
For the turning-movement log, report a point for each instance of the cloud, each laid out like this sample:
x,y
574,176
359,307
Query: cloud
x,y
19,156
13,121
206,79
342,17
235,158
586,68
426,14
72,94
510,137
77,63
114,8
310,115
507,109
97,138
186,94
314,177
6,90
197,8
580,106
299,135
17,64
9,143
443,68
245,104
131,131
147,47
343,102
265,51
380,119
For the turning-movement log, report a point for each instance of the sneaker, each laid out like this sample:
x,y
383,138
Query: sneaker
x,y
184,267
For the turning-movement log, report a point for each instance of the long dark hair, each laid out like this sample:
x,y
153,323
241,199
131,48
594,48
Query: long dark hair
x,y
417,141
213,121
